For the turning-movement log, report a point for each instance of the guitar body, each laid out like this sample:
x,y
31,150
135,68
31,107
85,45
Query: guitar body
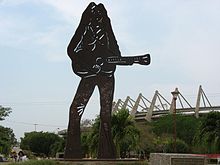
x,y
86,64
92,64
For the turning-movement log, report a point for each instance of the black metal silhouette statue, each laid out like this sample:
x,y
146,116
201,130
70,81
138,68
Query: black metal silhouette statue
x,y
95,53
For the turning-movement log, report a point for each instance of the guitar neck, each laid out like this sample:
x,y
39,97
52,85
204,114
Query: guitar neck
x,y
119,60
129,60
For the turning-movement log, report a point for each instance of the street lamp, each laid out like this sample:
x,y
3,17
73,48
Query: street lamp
x,y
175,95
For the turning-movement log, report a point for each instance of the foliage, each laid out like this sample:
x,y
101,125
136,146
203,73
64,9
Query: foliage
x,y
207,139
125,133
201,135
85,143
42,143
58,146
146,144
93,138
4,112
166,145
186,127
7,137
86,137
181,146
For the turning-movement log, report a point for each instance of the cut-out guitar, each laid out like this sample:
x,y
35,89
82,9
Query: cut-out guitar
x,y
100,64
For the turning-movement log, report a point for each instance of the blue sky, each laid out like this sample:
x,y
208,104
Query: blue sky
x,y
37,82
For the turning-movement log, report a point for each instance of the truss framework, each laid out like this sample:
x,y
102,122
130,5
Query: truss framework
x,y
159,105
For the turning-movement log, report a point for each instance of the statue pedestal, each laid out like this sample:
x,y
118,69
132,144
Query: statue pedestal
x,y
176,159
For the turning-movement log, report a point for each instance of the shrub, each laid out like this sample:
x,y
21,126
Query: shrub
x,y
181,146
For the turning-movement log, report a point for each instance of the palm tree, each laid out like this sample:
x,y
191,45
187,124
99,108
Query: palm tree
x,y
125,133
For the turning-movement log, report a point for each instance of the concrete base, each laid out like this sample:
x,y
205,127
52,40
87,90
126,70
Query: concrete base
x,y
176,159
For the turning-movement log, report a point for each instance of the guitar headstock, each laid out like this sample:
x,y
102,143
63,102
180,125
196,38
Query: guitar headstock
x,y
143,60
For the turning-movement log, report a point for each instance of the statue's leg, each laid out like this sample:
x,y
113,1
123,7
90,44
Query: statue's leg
x,y
73,143
106,148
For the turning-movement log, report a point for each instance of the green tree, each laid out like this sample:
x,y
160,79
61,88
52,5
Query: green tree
x,y
7,140
7,137
93,137
207,138
42,143
4,112
125,133
147,139
86,127
85,143
186,127
58,146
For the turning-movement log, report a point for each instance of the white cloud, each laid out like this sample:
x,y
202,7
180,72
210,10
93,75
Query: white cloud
x,y
33,35
182,35
69,10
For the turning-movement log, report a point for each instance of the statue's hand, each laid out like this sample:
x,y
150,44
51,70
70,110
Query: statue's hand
x,y
96,68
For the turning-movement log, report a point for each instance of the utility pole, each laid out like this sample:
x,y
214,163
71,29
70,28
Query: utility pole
x,y
35,127
175,95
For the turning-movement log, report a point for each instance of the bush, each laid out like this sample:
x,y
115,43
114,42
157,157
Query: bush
x,y
181,146
42,143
